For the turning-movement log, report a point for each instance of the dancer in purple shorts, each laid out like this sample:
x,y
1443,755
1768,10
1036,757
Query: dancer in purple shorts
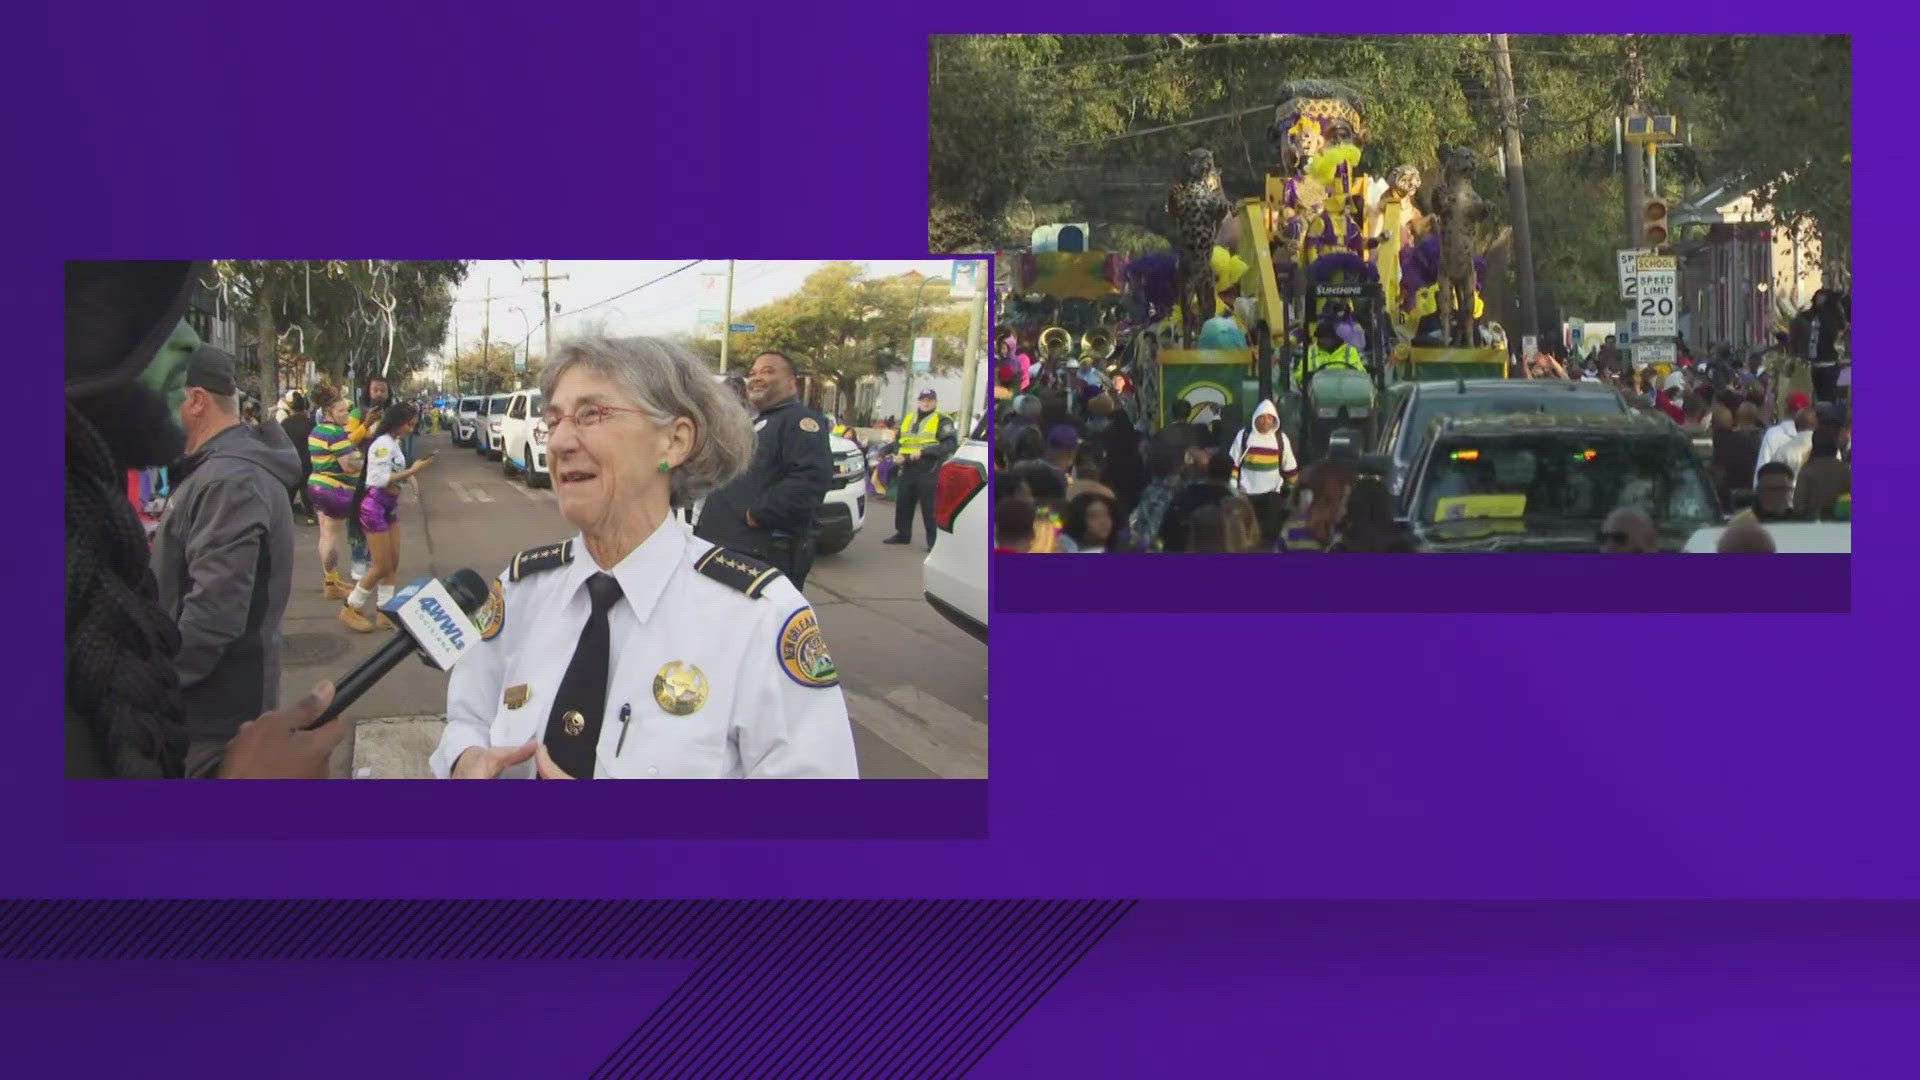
x,y
378,512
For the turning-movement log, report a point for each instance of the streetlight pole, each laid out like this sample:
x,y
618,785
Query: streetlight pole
x,y
527,325
913,322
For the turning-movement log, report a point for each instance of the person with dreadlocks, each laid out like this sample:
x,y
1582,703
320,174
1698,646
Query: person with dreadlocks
x,y
127,350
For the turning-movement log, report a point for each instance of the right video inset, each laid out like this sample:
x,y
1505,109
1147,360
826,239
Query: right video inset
x,y
1417,293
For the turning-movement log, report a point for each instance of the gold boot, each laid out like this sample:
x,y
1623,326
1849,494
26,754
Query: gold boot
x,y
334,588
356,619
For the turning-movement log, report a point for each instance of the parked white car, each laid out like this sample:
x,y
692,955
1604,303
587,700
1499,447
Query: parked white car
x,y
488,442
845,510
466,420
523,438
955,574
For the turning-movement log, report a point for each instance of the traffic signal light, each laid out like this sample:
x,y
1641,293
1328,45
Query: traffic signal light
x,y
1653,223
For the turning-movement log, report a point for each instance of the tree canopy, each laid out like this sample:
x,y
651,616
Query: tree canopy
x,y
843,325
352,318
1030,129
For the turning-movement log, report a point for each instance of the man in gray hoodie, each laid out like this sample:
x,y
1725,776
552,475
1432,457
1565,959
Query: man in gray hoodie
x,y
223,559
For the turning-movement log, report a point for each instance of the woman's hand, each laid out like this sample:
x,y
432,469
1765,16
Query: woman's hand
x,y
487,762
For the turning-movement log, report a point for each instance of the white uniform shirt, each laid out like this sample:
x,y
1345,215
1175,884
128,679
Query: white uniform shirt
x,y
772,708
383,460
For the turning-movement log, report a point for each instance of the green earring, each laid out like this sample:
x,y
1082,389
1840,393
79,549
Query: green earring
x,y
664,467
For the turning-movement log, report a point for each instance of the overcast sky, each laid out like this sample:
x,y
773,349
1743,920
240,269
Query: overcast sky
x,y
591,293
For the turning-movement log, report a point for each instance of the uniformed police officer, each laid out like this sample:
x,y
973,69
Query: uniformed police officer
x,y
926,439
635,649
769,511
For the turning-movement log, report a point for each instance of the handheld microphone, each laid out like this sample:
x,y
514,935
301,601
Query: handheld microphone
x,y
433,621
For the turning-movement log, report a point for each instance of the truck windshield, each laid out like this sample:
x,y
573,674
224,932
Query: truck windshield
x,y
1564,477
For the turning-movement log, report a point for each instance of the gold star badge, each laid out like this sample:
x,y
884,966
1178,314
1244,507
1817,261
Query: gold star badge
x,y
680,688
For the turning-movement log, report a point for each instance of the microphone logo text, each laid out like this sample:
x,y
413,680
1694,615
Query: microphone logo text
x,y
444,621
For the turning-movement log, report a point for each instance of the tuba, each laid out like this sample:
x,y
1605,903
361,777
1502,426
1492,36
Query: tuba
x,y
1096,345
1055,343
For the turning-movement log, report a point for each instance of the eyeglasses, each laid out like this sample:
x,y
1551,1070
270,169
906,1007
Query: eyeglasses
x,y
585,416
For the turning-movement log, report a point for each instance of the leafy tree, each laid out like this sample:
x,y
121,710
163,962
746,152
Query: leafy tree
x,y
846,327
1037,128
354,318
483,368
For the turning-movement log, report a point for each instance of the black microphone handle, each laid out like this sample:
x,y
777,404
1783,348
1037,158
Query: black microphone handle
x,y
468,590
365,674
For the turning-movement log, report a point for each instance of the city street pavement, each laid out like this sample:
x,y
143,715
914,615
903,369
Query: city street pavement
x,y
915,686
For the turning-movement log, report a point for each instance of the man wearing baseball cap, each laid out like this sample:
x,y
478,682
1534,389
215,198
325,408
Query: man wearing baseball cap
x,y
1781,434
926,438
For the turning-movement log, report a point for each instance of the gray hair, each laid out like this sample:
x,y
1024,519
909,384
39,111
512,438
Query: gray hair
x,y
667,381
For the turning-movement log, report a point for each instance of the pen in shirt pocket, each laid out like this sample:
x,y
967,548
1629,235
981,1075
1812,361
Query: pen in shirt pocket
x,y
626,714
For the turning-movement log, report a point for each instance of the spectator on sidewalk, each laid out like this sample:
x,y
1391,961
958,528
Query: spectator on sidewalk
x,y
299,425
1745,535
1793,452
1628,531
336,472
1824,478
1773,493
223,560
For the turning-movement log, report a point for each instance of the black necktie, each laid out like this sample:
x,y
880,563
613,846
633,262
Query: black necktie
x,y
573,727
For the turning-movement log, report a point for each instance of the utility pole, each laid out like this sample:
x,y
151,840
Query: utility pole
x,y
546,302
1634,151
486,337
456,350
972,364
1516,186
1634,156
726,322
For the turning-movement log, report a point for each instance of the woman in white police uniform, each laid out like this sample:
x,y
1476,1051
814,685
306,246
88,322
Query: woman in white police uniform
x,y
635,650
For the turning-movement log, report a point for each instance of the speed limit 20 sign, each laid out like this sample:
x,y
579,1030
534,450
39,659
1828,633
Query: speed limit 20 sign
x,y
1656,301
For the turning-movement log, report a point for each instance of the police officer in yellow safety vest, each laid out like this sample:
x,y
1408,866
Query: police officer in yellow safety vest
x,y
926,439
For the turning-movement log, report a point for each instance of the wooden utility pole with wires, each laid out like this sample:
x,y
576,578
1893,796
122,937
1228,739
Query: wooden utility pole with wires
x,y
546,281
1516,186
1634,152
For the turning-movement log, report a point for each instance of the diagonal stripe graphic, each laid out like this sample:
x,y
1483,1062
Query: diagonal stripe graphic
x,y
784,987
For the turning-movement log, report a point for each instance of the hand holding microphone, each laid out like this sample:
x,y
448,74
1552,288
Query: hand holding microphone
x,y
433,618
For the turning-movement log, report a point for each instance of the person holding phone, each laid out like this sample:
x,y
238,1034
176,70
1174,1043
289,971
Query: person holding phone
x,y
377,510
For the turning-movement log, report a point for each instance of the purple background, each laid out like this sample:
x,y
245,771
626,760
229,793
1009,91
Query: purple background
x,y
1177,755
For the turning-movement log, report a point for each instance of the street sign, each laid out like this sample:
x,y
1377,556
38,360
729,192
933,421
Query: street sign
x,y
708,322
1529,344
519,361
1653,352
967,274
1657,299
1627,258
742,328
922,355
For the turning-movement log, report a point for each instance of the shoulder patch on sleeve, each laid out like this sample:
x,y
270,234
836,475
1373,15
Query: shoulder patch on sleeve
x,y
803,651
545,557
742,573
809,425
493,617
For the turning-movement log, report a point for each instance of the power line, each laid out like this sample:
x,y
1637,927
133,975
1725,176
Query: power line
x,y
635,289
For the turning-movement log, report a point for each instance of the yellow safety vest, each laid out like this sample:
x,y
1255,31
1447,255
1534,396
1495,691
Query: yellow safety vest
x,y
913,441
1345,356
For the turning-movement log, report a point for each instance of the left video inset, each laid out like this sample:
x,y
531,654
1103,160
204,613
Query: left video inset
x,y
527,519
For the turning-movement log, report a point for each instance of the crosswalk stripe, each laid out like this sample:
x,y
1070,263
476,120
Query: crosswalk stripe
x,y
460,490
480,493
532,495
